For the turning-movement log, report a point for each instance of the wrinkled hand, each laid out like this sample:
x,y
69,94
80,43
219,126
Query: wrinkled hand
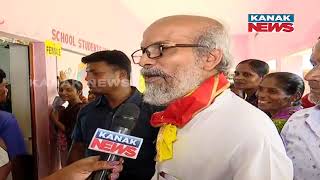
x,y
82,169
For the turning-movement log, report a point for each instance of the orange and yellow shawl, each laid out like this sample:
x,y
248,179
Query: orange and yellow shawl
x,y
182,110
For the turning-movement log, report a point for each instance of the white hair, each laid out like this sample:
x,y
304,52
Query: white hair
x,y
215,37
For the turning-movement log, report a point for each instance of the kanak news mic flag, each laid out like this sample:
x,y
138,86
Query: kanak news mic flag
x,y
117,142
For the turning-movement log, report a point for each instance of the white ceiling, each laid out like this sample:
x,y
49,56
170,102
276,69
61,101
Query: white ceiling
x,y
119,24
233,13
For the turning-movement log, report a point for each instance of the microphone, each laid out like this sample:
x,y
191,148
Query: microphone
x,y
117,142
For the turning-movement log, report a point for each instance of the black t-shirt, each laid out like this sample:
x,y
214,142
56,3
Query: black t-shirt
x,y
98,114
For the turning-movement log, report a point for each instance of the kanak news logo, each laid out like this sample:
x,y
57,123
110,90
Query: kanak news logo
x,y
115,143
270,22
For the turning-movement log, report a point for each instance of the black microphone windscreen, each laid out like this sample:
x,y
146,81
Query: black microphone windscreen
x,y
126,116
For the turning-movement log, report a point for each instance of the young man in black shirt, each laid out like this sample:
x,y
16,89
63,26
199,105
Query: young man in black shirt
x,y
108,74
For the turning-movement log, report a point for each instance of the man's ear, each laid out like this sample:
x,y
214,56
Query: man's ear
x,y
212,60
123,74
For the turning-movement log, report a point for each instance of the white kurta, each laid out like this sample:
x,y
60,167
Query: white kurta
x,y
230,140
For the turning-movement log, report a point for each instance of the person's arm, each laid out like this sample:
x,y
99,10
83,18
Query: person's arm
x,y
13,138
77,150
5,169
54,116
82,169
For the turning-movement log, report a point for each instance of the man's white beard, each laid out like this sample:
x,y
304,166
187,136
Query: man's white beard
x,y
314,98
184,81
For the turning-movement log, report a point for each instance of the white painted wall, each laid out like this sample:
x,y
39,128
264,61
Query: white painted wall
x,y
5,61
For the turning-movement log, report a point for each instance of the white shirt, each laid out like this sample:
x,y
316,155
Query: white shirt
x,y
4,159
301,135
229,140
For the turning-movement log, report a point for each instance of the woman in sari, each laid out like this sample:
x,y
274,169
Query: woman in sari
x,y
247,77
279,96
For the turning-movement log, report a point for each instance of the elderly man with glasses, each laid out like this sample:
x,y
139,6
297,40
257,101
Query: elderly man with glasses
x,y
206,131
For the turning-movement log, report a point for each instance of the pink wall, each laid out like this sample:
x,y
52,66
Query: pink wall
x,y
106,23
40,118
277,45
120,24
240,47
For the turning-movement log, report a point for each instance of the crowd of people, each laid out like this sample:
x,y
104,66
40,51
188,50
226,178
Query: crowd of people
x,y
195,124
277,94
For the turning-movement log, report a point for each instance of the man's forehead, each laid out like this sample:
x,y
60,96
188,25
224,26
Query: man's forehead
x,y
177,34
96,65
176,26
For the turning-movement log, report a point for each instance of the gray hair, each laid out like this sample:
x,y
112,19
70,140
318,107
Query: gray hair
x,y
215,36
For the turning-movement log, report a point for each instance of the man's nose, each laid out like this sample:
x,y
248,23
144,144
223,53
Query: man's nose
x,y
311,74
145,61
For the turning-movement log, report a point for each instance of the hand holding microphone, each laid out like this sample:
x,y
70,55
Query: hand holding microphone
x,y
80,170
117,143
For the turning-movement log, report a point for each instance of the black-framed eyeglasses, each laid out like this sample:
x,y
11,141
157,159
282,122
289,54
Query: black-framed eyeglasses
x,y
155,51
